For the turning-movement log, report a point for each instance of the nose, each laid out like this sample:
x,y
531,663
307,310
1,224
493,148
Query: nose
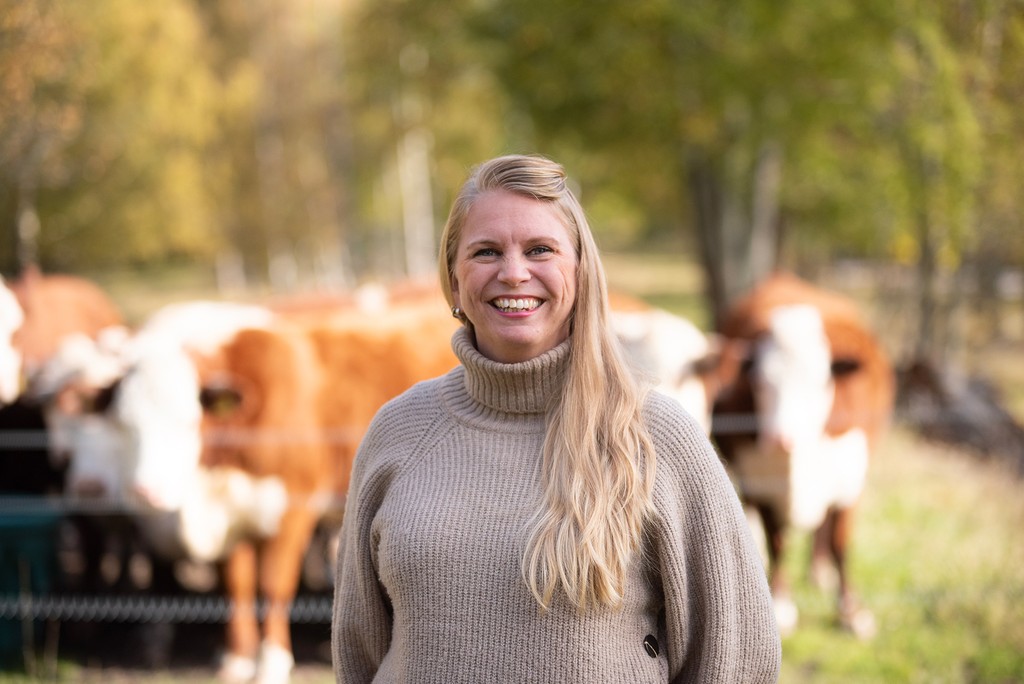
x,y
514,270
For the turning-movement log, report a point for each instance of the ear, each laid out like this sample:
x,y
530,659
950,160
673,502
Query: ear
x,y
456,299
845,366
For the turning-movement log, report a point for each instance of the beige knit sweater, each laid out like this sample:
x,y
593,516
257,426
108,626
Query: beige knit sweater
x,y
429,590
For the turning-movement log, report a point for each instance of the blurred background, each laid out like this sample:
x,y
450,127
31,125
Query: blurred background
x,y
243,148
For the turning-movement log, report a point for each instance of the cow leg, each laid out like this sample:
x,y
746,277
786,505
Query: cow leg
x,y
280,570
824,556
853,617
243,636
775,534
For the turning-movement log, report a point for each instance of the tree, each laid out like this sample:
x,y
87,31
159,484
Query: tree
x,y
283,148
42,112
426,108
103,137
714,95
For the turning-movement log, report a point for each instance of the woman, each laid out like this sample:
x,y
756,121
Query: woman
x,y
536,514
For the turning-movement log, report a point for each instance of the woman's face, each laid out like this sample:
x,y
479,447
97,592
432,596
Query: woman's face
x,y
515,276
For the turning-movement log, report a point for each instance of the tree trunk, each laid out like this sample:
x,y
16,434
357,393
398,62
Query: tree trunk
x,y
27,238
417,202
738,237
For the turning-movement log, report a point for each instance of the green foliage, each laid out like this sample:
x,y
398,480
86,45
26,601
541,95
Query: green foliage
x,y
274,130
115,172
414,68
653,84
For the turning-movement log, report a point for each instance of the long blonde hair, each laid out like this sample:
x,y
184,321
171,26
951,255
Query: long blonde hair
x,y
597,488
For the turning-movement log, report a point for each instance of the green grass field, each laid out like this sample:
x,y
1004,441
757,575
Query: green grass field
x,y
938,555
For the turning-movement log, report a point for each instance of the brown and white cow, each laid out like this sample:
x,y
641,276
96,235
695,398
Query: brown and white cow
x,y
38,314
806,393
670,350
238,428
37,311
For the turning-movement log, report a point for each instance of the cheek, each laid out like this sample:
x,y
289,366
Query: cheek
x,y
569,284
467,284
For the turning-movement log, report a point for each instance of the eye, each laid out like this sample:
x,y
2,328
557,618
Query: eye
x,y
219,401
539,250
485,252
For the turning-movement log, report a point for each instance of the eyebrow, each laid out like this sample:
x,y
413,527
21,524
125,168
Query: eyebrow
x,y
540,239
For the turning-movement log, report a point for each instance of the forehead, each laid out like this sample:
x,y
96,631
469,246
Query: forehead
x,y
795,345
500,216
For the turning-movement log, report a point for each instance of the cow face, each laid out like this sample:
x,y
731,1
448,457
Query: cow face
x,y
157,405
158,401
11,318
97,453
791,378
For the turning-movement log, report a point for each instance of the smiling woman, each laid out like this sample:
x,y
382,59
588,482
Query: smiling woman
x,y
538,512
514,277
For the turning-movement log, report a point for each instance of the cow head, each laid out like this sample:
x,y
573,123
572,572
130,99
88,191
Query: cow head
x,y
796,465
791,378
11,318
158,400
157,405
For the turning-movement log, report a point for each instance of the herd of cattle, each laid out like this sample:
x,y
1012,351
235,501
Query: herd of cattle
x,y
224,432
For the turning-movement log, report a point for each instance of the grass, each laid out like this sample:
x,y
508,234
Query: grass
x,y
939,557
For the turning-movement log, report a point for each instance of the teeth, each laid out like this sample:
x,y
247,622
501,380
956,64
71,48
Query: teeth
x,y
507,304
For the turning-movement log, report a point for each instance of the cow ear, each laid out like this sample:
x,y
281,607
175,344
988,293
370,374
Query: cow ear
x,y
844,367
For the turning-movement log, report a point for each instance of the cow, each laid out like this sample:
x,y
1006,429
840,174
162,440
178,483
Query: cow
x,y
11,318
37,311
670,350
805,392
37,314
236,428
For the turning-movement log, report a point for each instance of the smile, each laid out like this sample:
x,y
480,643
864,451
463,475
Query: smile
x,y
509,305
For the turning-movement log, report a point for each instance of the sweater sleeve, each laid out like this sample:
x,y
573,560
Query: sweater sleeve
x,y
361,621
719,622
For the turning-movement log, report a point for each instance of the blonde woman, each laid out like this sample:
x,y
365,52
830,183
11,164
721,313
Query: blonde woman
x,y
537,515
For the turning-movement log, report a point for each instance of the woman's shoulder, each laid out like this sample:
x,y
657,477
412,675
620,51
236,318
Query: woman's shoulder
x,y
683,449
407,413
666,418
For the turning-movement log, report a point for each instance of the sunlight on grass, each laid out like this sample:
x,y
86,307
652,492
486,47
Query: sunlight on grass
x,y
939,557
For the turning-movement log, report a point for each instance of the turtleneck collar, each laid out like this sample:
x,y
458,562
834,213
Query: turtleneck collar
x,y
520,388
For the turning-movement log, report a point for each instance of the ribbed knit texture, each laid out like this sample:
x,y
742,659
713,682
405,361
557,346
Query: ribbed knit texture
x,y
429,588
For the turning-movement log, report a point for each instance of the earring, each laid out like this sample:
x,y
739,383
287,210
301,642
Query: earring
x,y
457,312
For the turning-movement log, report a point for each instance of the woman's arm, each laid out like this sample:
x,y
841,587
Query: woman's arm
x,y
361,622
719,621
